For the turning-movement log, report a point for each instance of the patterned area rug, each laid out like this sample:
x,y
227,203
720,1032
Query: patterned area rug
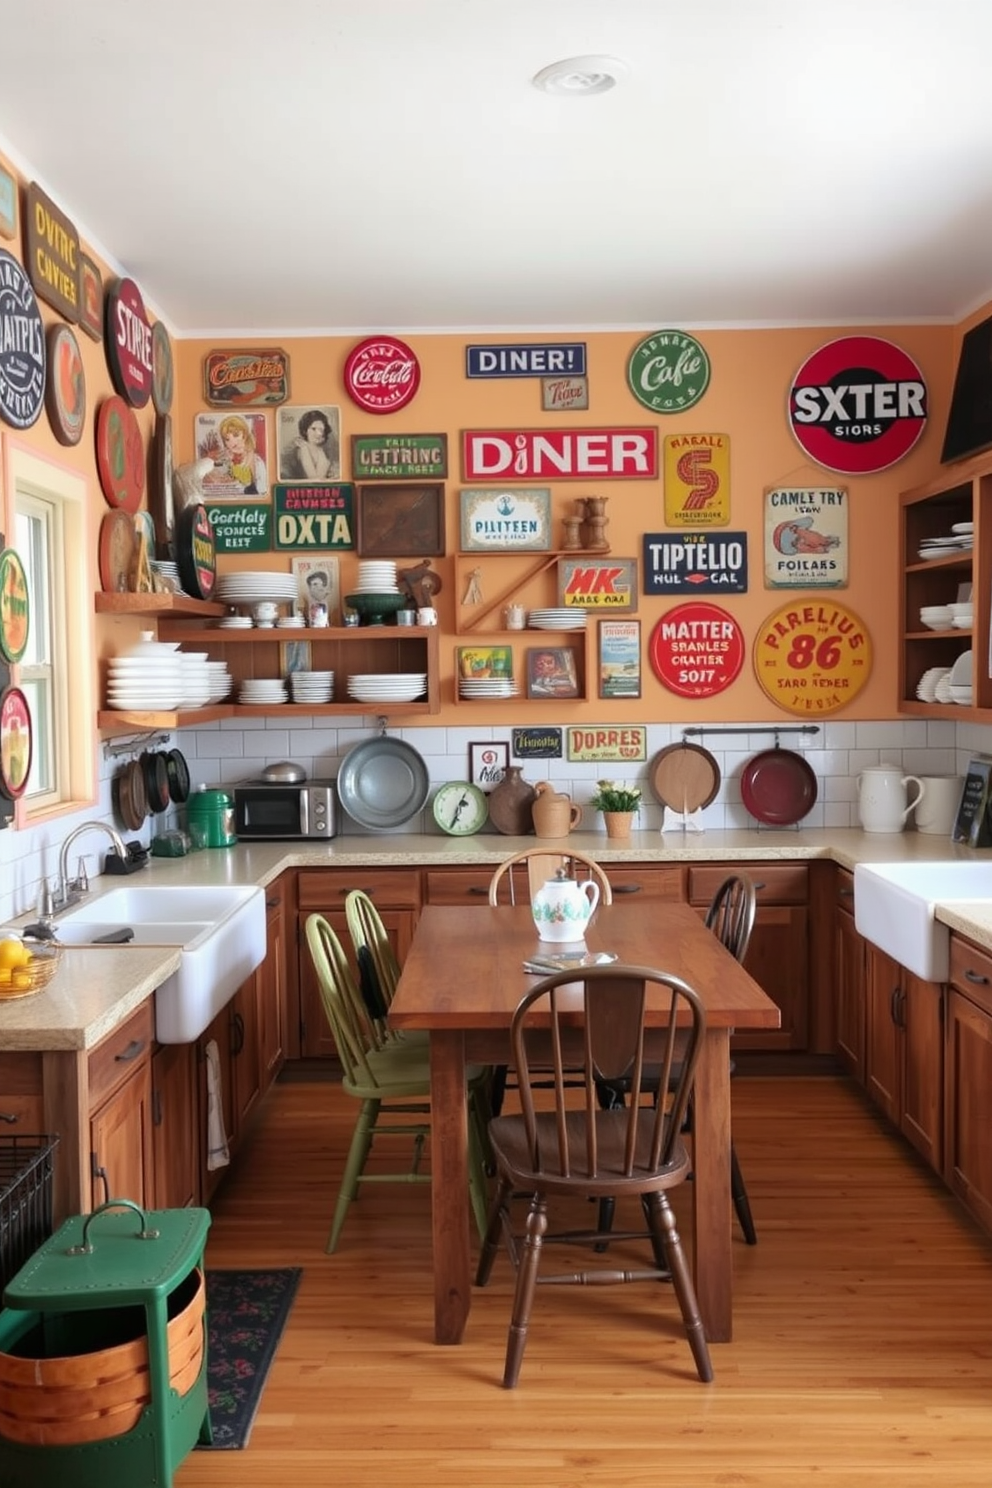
x,y
246,1313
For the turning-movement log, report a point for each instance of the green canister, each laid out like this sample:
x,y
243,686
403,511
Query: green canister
x,y
211,818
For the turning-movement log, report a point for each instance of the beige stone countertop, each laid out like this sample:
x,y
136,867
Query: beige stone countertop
x,y
95,989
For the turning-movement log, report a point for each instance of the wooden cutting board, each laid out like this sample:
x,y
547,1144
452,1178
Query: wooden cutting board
x,y
684,777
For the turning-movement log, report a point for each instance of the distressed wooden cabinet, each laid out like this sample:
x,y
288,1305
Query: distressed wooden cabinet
x,y
175,1127
120,1122
904,1052
850,971
968,1067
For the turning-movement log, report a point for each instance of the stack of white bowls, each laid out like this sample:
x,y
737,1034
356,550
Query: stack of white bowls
x,y
387,687
937,617
312,687
962,615
262,692
146,678
196,679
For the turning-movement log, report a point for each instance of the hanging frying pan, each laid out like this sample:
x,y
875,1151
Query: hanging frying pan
x,y
178,771
684,777
778,787
156,781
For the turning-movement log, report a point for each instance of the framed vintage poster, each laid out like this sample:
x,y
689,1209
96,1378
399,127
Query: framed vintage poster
x,y
806,537
551,672
601,584
485,661
308,439
90,298
399,521
619,658
487,762
505,521
318,582
243,379
237,445
8,202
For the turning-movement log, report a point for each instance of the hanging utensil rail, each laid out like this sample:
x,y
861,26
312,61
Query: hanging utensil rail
x,y
112,748
785,728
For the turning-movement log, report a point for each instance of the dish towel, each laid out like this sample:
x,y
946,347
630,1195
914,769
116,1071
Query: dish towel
x,y
218,1152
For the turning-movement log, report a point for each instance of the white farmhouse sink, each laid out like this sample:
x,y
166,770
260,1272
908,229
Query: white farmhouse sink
x,y
221,931
894,908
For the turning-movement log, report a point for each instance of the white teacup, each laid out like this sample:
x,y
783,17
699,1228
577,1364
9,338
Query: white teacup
x,y
265,612
427,617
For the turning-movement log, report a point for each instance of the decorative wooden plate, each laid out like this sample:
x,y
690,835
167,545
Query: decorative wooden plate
x,y
65,389
15,609
120,454
116,552
684,777
162,373
16,743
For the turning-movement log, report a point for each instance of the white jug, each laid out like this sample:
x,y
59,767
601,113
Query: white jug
x,y
882,797
562,908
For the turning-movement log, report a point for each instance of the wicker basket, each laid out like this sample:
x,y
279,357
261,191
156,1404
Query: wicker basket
x,y
22,981
83,1396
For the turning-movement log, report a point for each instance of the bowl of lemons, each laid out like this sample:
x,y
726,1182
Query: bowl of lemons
x,y
26,967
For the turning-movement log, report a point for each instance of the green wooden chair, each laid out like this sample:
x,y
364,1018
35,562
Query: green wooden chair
x,y
390,1077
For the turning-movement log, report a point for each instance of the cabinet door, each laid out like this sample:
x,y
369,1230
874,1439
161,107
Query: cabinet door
x,y
968,1067
176,1164
315,1036
246,1077
220,1033
271,975
777,958
121,1141
849,978
883,1048
922,1019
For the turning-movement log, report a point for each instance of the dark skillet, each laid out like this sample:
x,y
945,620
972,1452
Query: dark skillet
x,y
156,781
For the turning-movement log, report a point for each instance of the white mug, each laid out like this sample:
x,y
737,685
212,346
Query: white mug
x,y
427,617
937,809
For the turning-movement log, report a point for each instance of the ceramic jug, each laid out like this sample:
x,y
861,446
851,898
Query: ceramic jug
x,y
562,908
883,803
554,813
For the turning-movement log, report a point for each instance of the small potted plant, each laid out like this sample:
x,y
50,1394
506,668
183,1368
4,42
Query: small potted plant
x,y
619,802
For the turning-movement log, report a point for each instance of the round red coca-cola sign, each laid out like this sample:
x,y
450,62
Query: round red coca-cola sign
x,y
858,405
381,374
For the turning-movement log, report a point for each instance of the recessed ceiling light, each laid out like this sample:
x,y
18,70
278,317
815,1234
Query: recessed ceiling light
x,y
578,77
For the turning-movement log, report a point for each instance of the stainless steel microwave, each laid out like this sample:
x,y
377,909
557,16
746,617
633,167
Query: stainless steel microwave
x,y
285,810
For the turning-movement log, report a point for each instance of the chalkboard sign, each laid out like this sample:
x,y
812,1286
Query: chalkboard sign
x,y
969,423
973,826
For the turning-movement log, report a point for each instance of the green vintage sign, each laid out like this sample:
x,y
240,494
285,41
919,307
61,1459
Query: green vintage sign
x,y
314,516
668,371
241,529
399,456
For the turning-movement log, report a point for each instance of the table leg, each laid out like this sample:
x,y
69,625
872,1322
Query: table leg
x,y
449,1187
713,1256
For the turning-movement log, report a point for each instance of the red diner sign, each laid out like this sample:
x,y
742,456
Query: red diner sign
x,y
560,454
129,343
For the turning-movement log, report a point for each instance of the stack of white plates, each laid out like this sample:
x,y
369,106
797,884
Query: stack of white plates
x,y
290,622
166,569
942,690
487,687
387,687
312,687
147,678
926,688
962,615
247,589
235,622
557,619
257,693
946,547
220,680
376,576
196,678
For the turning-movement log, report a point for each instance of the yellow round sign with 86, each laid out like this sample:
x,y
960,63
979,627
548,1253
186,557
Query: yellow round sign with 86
x,y
812,657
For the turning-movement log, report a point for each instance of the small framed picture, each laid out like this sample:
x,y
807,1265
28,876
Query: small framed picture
x,y
619,658
487,763
308,441
551,672
294,656
399,521
318,582
90,298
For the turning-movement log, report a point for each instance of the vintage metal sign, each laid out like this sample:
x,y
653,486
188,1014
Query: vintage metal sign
x,y
697,480
129,342
382,374
668,372
22,347
695,563
246,378
805,538
52,254
317,516
536,743
550,358
858,405
598,583
515,520
696,650
630,743
559,393
560,454
242,529
399,456
812,658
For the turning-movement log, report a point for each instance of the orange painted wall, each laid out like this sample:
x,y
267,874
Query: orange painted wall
x,y
752,374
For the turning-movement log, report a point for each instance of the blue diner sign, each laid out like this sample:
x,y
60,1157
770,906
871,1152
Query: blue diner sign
x,y
530,359
709,562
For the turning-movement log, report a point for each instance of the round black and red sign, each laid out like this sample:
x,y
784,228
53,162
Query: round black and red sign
x,y
128,341
696,649
858,405
381,374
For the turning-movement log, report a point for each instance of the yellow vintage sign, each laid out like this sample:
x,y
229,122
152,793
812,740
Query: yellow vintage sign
x,y
617,743
697,480
811,657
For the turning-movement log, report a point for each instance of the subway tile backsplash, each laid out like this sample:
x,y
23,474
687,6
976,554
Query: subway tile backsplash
x,y
236,750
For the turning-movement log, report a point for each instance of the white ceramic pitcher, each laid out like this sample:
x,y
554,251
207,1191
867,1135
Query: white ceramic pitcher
x,y
883,800
562,908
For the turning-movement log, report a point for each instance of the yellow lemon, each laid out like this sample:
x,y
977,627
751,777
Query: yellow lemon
x,y
13,953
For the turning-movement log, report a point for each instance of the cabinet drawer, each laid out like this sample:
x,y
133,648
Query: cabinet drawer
x,y
844,890
775,884
457,885
112,1061
388,888
648,882
971,971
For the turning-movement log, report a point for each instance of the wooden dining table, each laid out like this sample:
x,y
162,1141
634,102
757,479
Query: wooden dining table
x,y
462,979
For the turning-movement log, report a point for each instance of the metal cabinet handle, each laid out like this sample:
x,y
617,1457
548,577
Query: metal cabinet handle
x,y
237,1034
894,1006
10,1117
370,893
134,1048
627,888
974,976
478,889
846,893
99,1174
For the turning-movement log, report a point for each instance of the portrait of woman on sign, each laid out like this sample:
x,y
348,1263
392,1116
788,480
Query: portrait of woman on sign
x,y
309,444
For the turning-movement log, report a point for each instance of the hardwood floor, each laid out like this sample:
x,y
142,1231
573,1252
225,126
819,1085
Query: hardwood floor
x,y
862,1353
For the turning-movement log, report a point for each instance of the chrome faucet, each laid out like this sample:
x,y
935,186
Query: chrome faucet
x,y
70,890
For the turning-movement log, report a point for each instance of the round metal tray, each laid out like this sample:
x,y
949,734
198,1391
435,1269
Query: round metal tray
x,y
383,783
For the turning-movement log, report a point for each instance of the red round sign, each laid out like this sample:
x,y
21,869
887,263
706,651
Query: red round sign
x,y
129,343
120,455
381,374
858,405
696,649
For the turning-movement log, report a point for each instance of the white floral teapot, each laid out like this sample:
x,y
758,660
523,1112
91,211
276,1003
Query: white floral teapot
x,y
562,908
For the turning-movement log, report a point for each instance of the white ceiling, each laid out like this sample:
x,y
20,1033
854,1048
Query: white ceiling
x,y
288,166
